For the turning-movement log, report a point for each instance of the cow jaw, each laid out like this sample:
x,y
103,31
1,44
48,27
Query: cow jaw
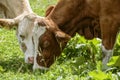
x,y
36,65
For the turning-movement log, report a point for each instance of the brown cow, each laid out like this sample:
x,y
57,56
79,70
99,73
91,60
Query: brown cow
x,y
73,16
84,17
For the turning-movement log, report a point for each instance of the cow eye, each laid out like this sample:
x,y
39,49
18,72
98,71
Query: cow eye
x,y
22,37
46,44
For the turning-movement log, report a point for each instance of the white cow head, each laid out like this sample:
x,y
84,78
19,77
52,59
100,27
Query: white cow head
x,y
24,35
25,24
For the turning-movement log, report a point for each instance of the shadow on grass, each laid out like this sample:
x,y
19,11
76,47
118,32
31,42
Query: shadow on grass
x,y
15,65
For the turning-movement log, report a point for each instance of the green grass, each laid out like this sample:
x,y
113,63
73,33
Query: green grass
x,y
76,62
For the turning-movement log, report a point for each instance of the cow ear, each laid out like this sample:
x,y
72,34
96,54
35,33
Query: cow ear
x,y
49,10
9,23
62,37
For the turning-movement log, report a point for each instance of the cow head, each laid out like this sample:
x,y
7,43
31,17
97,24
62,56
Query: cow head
x,y
47,44
39,39
25,24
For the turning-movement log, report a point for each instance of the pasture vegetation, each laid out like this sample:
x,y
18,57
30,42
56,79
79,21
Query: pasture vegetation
x,y
80,60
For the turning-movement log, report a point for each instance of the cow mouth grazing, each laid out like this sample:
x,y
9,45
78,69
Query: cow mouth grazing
x,y
45,62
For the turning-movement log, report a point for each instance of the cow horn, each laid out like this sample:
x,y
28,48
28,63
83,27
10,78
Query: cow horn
x,y
8,22
11,22
49,10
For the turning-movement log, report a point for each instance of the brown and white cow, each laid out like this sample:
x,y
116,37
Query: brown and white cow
x,y
20,14
90,18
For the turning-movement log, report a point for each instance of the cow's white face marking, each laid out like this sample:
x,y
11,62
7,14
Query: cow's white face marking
x,y
24,35
38,31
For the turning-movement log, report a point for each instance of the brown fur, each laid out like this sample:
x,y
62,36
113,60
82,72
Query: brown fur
x,y
90,18
70,17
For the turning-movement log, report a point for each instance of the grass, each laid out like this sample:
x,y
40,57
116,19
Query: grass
x,y
77,62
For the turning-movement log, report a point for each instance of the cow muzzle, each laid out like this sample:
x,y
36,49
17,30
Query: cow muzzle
x,y
31,60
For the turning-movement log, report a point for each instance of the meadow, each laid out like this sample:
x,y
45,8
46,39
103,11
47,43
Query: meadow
x,y
80,60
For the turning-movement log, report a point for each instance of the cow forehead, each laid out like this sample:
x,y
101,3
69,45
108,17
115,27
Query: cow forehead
x,y
25,26
38,30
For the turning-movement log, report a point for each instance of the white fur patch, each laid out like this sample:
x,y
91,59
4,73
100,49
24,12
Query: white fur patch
x,y
108,54
38,31
105,50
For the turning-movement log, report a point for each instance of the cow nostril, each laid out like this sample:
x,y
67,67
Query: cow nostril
x,y
31,60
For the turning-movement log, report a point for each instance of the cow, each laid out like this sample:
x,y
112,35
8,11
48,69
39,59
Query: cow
x,y
90,18
71,18
19,13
